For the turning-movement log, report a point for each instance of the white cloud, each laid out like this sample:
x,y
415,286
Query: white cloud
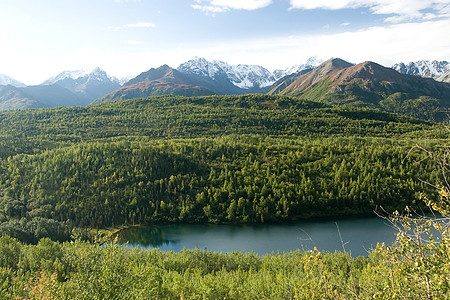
x,y
402,10
140,25
209,9
125,1
134,42
135,25
218,6
385,45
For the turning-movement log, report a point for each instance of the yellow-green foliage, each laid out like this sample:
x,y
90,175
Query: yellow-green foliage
x,y
416,266
413,268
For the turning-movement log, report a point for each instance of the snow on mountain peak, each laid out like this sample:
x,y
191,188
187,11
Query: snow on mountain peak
x,y
96,74
247,76
423,68
201,67
313,61
242,76
100,75
310,63
6,80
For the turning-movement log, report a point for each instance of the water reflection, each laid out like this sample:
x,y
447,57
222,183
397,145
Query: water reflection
x,y
148,237
359,235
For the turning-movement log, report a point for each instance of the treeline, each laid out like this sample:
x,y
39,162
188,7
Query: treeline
x,y
33,131
219,159
223,180
214,159
79,270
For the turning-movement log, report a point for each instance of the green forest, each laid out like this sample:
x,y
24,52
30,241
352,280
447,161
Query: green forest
x,y
216,159
67,172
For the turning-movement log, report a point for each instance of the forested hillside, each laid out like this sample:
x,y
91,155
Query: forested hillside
x,y
65,172
219,159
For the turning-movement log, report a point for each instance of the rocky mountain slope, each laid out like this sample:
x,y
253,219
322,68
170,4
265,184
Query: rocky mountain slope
x,y
69,88
232,79
87,85
37,96
424,68
6,80
406,88
371,85
224,78
160,81
444,77
310,64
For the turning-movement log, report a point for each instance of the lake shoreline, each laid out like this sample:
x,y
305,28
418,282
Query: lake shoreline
x,y
113,232
359,234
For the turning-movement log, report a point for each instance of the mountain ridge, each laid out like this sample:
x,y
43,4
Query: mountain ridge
x,y
369,84
241,78
424,68
6,80
334,81
159,81
68,88
88,85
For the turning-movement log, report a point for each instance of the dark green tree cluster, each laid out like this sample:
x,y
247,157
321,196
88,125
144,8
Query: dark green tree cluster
x,y
220,159
34,131
223,180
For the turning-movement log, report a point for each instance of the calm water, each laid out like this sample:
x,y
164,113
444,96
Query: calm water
x,y
358,234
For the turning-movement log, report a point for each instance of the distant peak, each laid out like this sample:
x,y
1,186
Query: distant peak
x,y
313,61
97,70
75,74
96,74
6,80
338,63
423,68
199,59
164,67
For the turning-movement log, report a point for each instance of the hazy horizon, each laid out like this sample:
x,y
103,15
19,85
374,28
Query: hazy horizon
x,y
125,37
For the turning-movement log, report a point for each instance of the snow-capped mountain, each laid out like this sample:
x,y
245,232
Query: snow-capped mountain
x,y
246,77
89,85
310,63
125,79
423,68
445,77
5,80
97,74
66,74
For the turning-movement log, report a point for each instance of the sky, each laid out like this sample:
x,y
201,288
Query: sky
x,y
40,39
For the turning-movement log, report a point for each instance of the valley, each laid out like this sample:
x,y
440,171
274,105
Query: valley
x,y
209,159
169,149
417,89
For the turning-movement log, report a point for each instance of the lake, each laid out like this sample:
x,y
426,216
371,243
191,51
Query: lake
x,y
359,234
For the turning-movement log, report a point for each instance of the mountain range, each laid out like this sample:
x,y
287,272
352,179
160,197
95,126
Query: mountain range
x,y
195,77
69,88
88,86
405,88
439,70
369,84
6,80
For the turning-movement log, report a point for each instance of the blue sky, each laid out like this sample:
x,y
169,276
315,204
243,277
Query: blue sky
x,y
125,37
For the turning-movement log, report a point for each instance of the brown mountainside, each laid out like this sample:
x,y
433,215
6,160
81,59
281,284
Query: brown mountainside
x,y
161,81
369,84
